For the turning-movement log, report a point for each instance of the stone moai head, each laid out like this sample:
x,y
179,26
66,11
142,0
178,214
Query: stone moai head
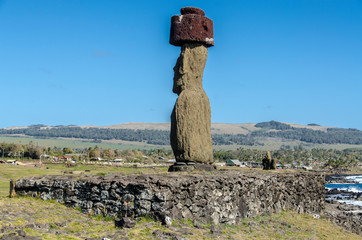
x,y
194,33
268,156
189,68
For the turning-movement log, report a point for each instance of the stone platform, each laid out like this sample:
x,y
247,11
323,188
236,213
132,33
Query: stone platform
x,y
218,197
191,166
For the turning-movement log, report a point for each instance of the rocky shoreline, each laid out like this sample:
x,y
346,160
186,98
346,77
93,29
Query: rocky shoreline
x,y
335,194
346,215
342,193
340,178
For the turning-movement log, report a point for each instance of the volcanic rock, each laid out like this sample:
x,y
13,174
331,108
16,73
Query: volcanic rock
x,y
191,26
191,116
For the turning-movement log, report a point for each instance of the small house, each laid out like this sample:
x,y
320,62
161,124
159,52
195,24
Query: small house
x,y
233,162
220,164
306,168
254,165
65,158
12,161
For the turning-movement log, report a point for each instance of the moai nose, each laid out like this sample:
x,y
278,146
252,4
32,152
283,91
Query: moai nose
x,y
191,27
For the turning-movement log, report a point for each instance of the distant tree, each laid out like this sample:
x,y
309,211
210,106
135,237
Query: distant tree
x,y
108,153
313,124
68,151
224,155
94,153
118,153
34,152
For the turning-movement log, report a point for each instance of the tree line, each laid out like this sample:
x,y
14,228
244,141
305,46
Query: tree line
x,y
35,151
286,155
157,137
161,137
331,136
297,155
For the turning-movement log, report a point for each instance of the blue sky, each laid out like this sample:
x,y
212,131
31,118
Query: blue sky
x,y
109,62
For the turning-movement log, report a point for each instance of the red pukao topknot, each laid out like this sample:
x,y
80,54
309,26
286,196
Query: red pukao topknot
x,y
191,27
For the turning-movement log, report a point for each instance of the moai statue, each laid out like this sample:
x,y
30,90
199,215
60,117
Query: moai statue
x,y
191,116
273,164
267,161
12,188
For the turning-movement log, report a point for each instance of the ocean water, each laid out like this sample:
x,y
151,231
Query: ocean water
x,y
357,178
350,187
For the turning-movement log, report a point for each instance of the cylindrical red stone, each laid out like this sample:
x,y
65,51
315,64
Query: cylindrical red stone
x,y
191,26
192,10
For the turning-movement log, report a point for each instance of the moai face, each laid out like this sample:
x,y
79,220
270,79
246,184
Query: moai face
x,y
178,83
189,68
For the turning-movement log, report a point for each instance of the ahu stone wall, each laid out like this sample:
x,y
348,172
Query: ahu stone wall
x,y
223,197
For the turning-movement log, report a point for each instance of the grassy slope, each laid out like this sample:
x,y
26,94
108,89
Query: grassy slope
x,y
79,143
11,171
216,128
59,222
269,144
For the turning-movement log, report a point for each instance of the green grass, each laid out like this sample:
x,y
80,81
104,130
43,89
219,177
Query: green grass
x,y
51,215
8,172
78,143
275,144
104,169
269,144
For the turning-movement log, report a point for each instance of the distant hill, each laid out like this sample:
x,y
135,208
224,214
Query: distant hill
x,y
216,128
249,134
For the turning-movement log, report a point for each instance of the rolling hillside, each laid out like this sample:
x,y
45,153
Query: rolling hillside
x,y
223,134
216,128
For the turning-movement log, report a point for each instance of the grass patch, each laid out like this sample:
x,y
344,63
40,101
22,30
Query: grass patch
x,y
8,172
102,218
59,222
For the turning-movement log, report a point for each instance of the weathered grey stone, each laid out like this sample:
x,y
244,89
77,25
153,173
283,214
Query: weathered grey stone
x,y
128,198
158,207
273,164
267,161
104,195
125,222
347,216
12,192
191,116
143,204
180,168
145,195
221,197
113,194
